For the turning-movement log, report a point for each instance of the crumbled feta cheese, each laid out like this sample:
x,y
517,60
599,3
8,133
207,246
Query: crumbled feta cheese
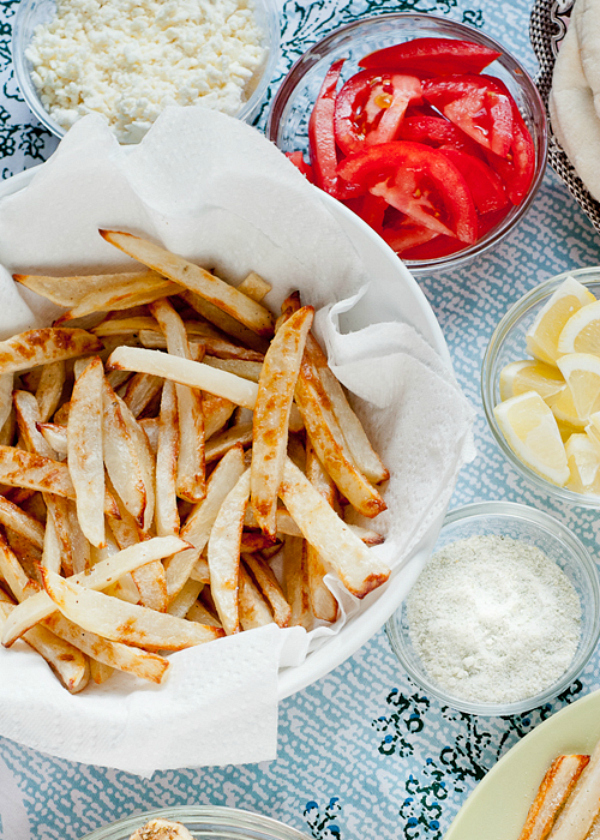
x,y
128,59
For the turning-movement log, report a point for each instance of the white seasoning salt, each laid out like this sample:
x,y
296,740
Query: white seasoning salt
x,y
493,619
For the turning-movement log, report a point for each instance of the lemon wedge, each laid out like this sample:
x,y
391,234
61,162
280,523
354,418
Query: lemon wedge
x,y
532,433
582,374
593,428
566,415
542,337
581,333
583,458
530,375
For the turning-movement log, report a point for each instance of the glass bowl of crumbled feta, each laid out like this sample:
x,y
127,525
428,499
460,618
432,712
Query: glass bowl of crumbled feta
x,y
129,59
504,615
204,821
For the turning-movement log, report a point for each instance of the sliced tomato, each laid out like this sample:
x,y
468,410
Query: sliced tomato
x,y
518,167
297,158
433,56
441,246
405,233
321,138
420,182
370,107
438,132
371,209
486,185
479,105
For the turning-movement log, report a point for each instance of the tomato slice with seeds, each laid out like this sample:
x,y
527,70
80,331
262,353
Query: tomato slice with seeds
x,y
371,209
432,56
370,106
404,233
420,182
479,105
518,168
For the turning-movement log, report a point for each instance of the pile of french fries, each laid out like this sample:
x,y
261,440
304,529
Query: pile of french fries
x,y
567,804
175,466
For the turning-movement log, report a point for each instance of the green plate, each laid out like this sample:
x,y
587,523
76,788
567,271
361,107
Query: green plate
x,y
497,808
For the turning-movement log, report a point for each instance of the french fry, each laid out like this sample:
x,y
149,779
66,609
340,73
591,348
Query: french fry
x,y
85,450
51,558
68,291
200,571
151,583
190,468
56,437
6,389
196,279
134,293
552,794
50,388
240,367
217,347
326,437
220,444
120,621
271,415
295,582
167,453
39,606
150,427
141,390
12,571
270,588
224,554
50,344
12,516
182,603
324,605
186,372
128,457
224,322
253,609
254,286
131,660
217,412
198,612
358,568
581,808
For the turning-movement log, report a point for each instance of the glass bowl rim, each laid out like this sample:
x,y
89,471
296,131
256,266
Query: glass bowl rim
x,y
521,307
218,815
318,50
27,89
578,554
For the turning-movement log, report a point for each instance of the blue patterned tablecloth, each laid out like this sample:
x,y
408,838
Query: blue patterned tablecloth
x,y
363,754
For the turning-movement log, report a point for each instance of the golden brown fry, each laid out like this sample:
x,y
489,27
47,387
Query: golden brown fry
x,y
133,293
217,412
141,390
120,621
239,367
6,389
359,569
128,457
84,450
167,453
183,602
198,612
224,554
552,794
12,516
295,582
55,436
38,607
253,608
271,415
324,433
220,444
68,291
50,344
270,588
196,279
50,388
324,605
225,323
255,286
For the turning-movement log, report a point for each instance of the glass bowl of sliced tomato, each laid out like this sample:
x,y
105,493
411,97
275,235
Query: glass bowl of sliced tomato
x,y
426,128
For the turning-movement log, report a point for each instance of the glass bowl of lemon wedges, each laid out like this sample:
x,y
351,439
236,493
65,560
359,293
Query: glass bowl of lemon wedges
x,y
540,386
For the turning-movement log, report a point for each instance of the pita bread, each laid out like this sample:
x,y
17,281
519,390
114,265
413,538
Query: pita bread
x,y
574,120
586,17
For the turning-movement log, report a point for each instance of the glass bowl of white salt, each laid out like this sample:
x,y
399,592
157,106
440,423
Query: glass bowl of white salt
x,y
504,615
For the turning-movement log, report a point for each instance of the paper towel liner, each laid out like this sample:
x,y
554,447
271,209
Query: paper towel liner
x,y
213,189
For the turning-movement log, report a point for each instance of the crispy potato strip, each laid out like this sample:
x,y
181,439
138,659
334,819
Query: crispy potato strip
x,y
39,347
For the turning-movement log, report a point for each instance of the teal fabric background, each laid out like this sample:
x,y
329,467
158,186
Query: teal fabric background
x,y
362,753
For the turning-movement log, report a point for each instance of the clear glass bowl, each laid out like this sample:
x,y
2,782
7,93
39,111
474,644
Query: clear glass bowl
x,y
528,525
292,105
214,822
32,13
507,344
